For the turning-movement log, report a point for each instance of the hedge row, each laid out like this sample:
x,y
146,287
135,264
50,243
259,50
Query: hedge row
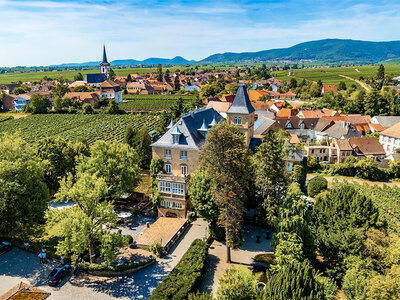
x,y
118,268
186,276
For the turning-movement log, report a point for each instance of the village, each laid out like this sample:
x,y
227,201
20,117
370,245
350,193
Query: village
x,y
262,141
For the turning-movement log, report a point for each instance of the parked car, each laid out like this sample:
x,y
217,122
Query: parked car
x,y
5,246
58,274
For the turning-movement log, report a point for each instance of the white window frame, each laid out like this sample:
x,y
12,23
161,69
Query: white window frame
x,y
184,170
289,167
178,189
183,155
168,168
237,120
164,187
167,153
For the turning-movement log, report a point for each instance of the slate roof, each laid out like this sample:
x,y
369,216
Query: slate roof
x,y
241,104
104,55
342,129
189,125
95,78
387,121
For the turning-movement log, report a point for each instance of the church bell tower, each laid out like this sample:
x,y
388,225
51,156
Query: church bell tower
x,y
105,65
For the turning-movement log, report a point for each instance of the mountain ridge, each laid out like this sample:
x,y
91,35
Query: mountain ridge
x,y
326,50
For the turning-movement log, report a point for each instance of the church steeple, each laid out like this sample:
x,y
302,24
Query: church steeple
x,y
104,54
105,65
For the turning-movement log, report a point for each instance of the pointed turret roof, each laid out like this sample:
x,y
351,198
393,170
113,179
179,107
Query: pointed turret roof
x,y
213,122
171,124
203,127
241,104
104,54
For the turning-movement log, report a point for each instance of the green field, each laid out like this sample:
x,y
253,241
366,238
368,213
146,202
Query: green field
x,y
74,126
6,78
151,101
331,75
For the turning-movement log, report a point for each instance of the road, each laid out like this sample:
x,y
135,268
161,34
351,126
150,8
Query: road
x,y
363,85
18,265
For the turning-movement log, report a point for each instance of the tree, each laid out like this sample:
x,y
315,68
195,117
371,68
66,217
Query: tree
x,y
367,168
60,90
293,83
21,90
81,88
113,108
61,158
294,281
116,163
159,73
82,225
385,287
225,157
78,77
299,174
57,104
156,167
143,148
269,169
206,91
177,84
340,217
342,86
37,105
294,240
128,79
316,185
87,109
394,168
112,74
167,78
131,136
237,283
381,72
23,193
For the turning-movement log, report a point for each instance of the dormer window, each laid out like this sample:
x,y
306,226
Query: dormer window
x,y
237,120
175,139
289,125
302,126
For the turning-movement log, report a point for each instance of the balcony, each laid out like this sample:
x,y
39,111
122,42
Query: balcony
x,y
172,178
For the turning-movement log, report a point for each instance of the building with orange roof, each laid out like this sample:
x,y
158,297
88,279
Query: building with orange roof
x,y
285,113
83,97
227,98
254,95
329,87
220,106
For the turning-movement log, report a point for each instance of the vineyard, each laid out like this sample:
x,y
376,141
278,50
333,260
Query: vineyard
x,y
6,118
387,200
74,126
151,101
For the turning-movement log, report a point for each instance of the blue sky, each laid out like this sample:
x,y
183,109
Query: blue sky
x,y
60,31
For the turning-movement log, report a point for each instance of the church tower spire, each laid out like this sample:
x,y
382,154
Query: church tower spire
x,y
105,65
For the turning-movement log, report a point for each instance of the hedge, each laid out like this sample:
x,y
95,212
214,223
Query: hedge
x,y
118,268
186,276
316,185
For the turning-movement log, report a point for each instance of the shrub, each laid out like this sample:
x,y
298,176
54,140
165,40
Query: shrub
x,y
237,284
118,268
316,185
156,248
312,163
186,276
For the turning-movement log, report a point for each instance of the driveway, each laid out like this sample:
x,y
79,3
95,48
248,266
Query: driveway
x,y
18,265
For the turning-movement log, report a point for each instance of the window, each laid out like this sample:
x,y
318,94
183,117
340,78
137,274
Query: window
x,y
184,155
167,153
165,187
302,126
168,168
178,189
237,120
184,170
289,167
175,139
289,125
177,204
312,151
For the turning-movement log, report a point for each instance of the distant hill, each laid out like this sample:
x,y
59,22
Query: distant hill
x,y
119,62
328,50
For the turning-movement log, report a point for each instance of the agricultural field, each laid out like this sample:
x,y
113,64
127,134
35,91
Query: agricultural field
x,y
332,75
75,126
151,101
6,78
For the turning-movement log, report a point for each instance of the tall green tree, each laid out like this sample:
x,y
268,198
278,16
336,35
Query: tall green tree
x,y
115,162
159,73
112,74
381,72
225,157
269,167
24,195
143,148
294,281
82,225
78,77
177,84
60,90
